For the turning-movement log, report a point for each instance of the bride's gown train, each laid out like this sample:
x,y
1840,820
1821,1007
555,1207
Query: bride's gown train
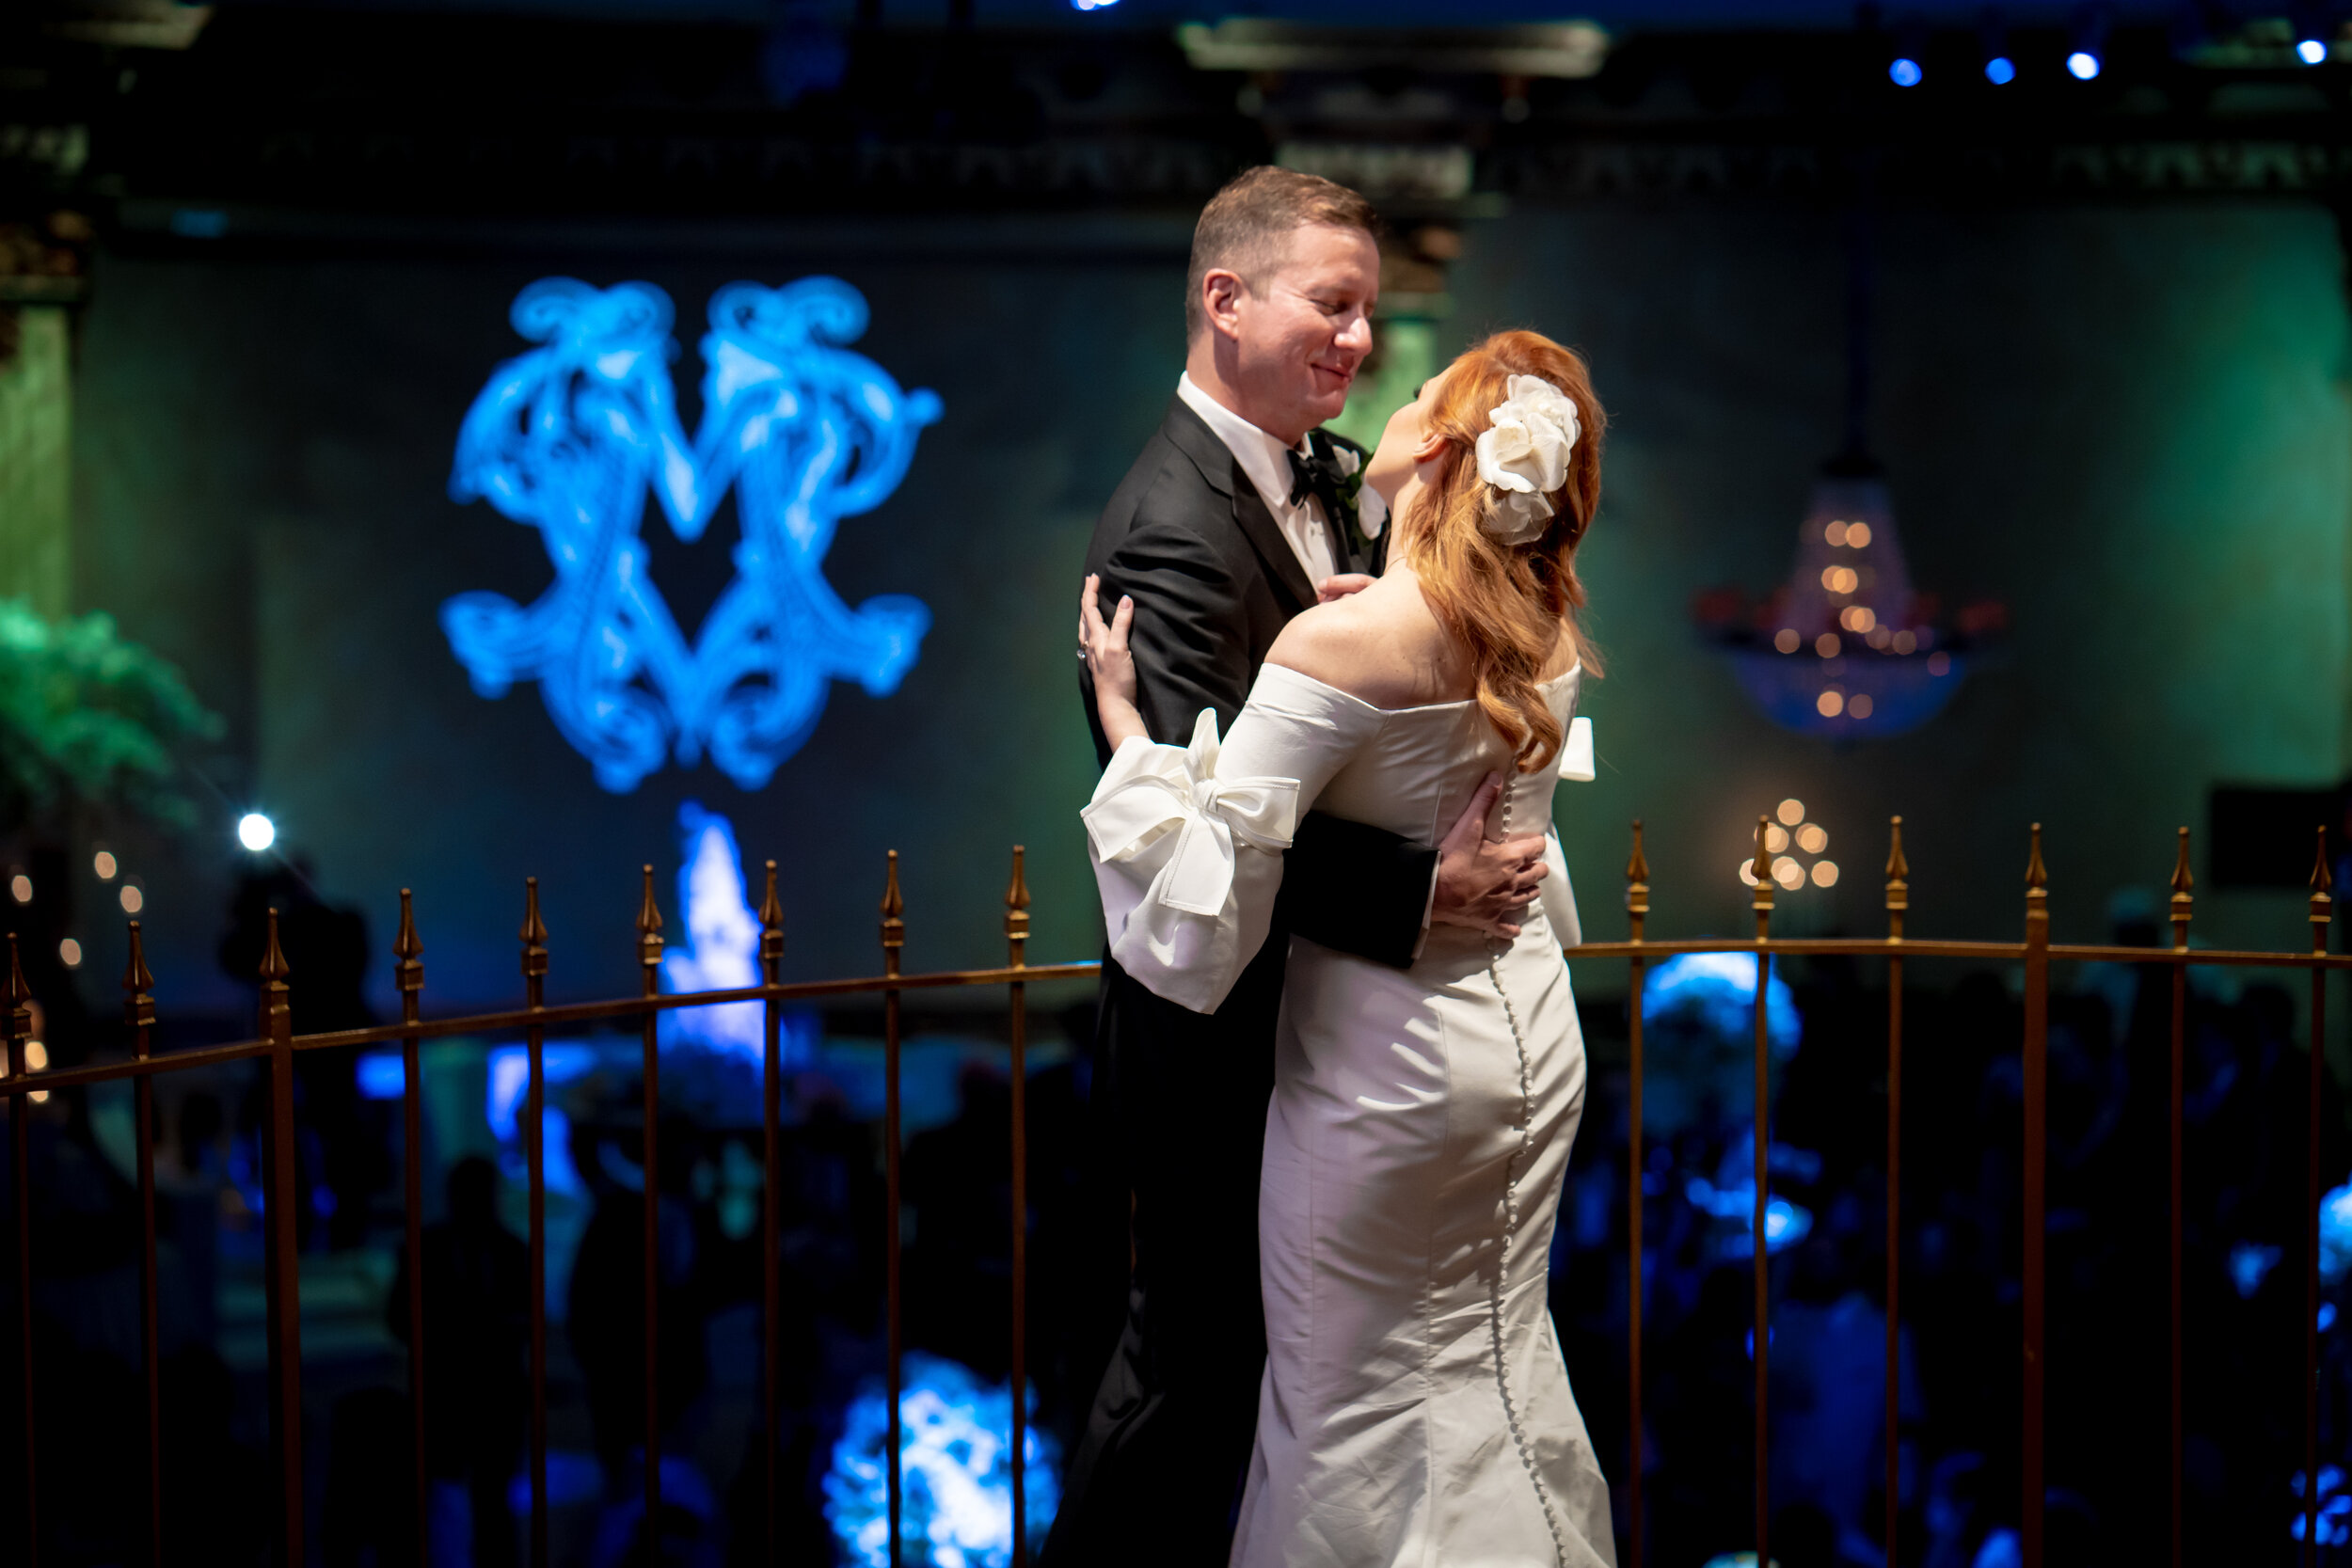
x,y
1415,1408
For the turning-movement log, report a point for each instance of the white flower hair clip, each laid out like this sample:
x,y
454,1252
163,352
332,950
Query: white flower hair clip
x,y
1524,455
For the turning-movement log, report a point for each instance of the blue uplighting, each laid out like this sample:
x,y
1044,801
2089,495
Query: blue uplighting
x,y
1786,1224
2082,65
2335,1234
570,437
509,1078
722,953
2000,70
2312,52
1904,73
956,1453
2249,1264
382,1075
721,950
2335,1507
1092,4
1716,993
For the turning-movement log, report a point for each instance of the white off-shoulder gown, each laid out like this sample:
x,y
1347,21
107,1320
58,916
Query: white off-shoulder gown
x,y
1415,1409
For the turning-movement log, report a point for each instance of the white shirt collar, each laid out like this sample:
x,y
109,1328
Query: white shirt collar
x,y
1263,457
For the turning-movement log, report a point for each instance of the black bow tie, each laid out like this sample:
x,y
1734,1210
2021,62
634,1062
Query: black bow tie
x,y
1317,472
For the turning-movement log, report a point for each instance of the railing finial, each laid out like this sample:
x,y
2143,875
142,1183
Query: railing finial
x,y
1898,881
2183,882
1762,872
277,1013
1637,885
649,935
138,985
535,932
2323,905
20,995
893,928
409,969
1017,909
771,929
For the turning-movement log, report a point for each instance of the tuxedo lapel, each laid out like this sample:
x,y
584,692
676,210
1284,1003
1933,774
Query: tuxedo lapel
x,y
1191,435
1258,526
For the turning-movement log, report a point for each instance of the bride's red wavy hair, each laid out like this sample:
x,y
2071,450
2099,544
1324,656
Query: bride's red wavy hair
x,y
1508,604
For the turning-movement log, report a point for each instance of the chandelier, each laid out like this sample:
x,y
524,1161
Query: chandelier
x,y
1846,647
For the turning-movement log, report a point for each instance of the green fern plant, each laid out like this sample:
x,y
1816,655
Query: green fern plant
x,y
87,718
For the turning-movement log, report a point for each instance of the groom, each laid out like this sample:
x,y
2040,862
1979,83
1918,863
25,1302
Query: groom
x,y
1240,513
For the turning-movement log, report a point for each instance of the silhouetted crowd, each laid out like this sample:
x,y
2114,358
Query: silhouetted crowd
x,y
1958,1351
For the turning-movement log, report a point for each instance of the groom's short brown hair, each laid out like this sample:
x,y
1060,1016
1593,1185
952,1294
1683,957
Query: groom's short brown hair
x,y
1243,227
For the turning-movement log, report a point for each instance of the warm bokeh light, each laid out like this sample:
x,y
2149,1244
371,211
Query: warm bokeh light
x,y
1879,636
1841,579
1860,706
1939,664
1788,873
1834,533
1775,839
69,953
21,888
1857,535
1827,645
1812,838
1832,703
1905,643
1792,812
1787,640
103,864
35,1055
1824,873
133,900
1858,618
1747,872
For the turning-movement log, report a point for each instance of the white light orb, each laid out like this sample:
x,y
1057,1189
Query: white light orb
x,y
255,831
2082,65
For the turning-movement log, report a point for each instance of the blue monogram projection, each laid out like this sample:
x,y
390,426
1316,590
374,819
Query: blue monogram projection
x,y
568,438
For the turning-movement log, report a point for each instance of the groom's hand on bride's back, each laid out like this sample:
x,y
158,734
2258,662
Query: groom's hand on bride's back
x,y
1484,883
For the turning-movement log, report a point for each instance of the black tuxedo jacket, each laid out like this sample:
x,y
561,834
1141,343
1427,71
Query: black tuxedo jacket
x,y
1215,582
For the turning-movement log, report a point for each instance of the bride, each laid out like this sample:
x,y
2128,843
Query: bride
x,y
1415,1408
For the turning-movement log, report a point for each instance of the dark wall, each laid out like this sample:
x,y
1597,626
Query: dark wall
x,y
264,454
2129,423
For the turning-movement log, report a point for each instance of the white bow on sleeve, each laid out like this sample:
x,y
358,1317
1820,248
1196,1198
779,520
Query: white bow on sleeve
x,y
1151,789
1166,834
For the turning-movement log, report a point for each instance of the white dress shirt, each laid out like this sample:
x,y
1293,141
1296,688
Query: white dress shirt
x,y
1267,461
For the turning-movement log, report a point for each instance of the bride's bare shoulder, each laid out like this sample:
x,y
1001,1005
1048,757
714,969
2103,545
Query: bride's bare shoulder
x,y
1382,646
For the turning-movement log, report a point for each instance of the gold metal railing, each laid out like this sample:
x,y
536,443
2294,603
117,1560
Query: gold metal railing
x,y
277,1045
2036,952
276,1042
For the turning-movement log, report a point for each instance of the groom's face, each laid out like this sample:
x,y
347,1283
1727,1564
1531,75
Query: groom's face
x,y
1303,328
